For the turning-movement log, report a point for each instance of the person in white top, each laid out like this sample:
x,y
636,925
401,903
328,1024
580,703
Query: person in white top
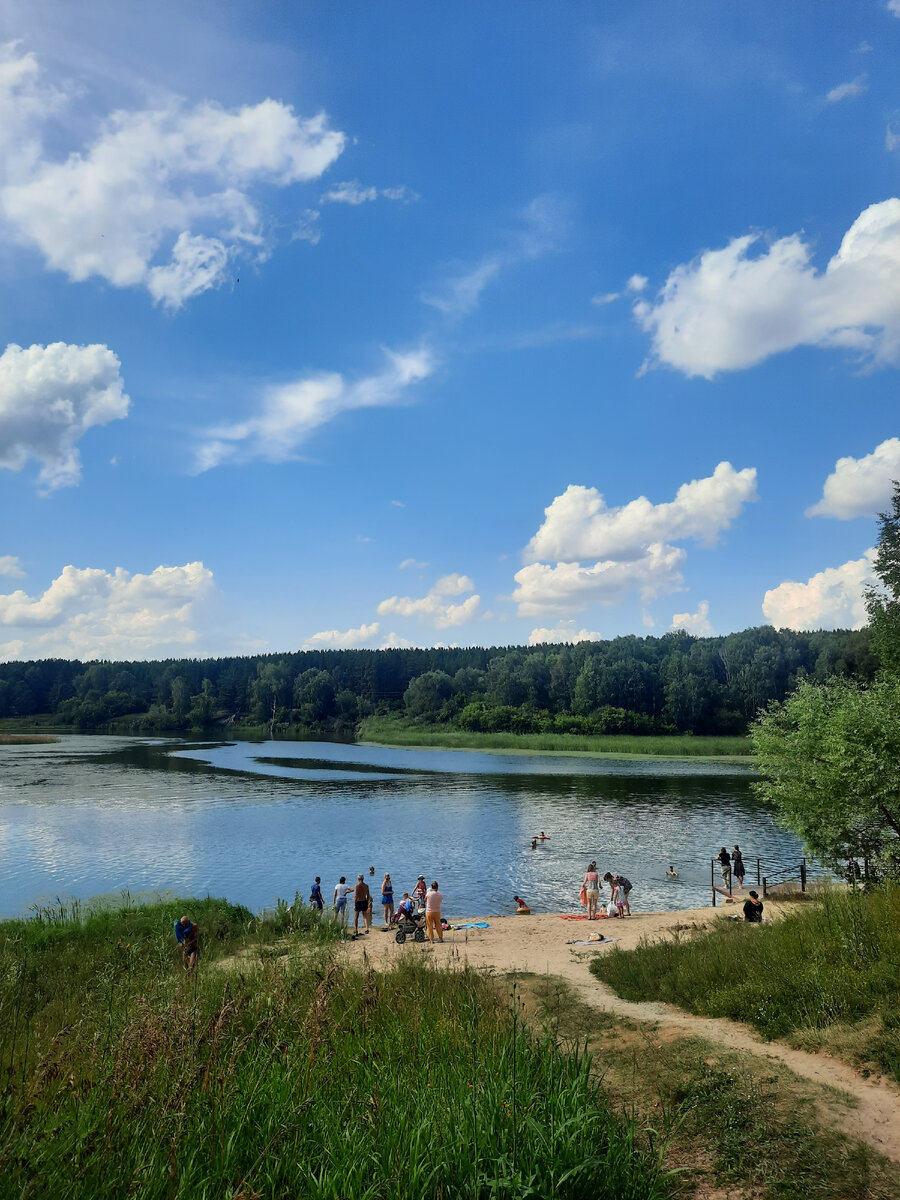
x,y
340,901
433,901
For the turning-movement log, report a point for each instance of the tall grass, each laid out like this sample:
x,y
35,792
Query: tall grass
x,y
298,1078
827,963
394,732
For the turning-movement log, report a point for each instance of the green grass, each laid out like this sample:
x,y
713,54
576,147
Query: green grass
x,y
828,965
397,732
301,1077
733,1119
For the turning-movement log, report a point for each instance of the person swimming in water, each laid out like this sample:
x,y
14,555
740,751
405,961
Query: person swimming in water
x,y
544,837
672,873
534,843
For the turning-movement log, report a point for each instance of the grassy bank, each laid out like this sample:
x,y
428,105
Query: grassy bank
x,y
26,739
286,1074
395,731
826,975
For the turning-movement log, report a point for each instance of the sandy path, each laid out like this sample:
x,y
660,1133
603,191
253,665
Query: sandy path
x,y
538,944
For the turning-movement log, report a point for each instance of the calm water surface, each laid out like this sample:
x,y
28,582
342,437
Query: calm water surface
x,y
257,820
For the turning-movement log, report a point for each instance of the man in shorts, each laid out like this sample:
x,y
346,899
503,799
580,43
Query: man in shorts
x,y
188,938
362,904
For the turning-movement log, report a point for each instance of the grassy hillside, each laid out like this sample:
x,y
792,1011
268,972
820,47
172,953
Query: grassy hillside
x,y
825,976
278,1072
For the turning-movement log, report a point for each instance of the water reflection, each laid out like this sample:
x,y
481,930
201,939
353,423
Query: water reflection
x,y
92,815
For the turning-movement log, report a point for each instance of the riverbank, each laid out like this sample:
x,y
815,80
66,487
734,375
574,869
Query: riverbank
x,y
386,731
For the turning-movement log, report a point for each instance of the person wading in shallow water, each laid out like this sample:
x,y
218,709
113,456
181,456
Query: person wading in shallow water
x,y
188,938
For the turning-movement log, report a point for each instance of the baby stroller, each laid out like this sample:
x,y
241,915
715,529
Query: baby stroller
x,y
409,926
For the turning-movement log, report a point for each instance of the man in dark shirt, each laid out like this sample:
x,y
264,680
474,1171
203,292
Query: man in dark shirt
x,y
315,895
187,936
753,908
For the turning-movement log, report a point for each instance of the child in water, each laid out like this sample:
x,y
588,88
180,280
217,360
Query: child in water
x,y
672,873
521,906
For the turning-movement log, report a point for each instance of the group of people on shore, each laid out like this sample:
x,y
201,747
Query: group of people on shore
x,y
424,901
619,891
732,867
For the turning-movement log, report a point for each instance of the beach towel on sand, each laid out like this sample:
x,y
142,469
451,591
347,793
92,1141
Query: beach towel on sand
x,y
472,925
580,916
591,941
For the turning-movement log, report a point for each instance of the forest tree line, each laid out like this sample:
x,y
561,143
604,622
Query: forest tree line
x,y
670,684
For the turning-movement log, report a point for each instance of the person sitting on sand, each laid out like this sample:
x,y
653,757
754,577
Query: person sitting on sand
x,y
753,909
188,938
521,906
672,873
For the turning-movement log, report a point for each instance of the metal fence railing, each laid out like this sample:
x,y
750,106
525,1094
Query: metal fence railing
x,y
768,873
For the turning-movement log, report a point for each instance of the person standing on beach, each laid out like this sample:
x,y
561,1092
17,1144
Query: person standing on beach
x,y
340,902
419,891
433,901
315,895
362,900
737,866
624,885
724,859
188,938
387,898
591,886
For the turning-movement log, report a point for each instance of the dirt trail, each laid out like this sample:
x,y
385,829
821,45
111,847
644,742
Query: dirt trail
x,y
539,944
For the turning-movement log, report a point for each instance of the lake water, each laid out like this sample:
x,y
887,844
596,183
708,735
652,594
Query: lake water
x,y
254,821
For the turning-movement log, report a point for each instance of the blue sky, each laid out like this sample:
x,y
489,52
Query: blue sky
x,y
414,324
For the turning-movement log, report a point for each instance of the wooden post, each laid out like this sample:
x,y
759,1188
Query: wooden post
x,y
803,876
712,876
764,885
758,875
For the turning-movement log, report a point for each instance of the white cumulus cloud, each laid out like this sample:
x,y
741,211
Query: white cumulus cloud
x,y
336,639
730,309
697,623
579,524
830,599
50,396
859,487
394,641
567,586
11,567
92,613
291,412
436,605
563,632
160,198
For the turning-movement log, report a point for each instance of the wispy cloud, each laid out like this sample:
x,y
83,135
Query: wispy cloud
x,y
291,412
543,225
847,91
354,193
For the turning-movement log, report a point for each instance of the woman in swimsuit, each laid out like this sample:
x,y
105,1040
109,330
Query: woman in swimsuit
x,y
387,899
592,890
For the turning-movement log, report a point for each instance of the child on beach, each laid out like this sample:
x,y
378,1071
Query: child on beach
x,y
620,900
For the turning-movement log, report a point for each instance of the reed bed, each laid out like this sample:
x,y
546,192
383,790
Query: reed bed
x,y
278,1071
833,962
395,733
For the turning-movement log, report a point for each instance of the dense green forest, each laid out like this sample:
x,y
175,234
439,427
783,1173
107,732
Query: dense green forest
x,y
675,683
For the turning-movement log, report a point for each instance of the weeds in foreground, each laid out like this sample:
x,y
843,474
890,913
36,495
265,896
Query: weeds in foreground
x,y
302,1079
827,963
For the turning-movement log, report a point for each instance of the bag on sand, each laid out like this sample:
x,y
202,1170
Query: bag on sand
x,y
611,909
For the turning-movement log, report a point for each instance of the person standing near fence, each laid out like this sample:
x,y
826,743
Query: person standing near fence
x,y
433,901
737,866
725,865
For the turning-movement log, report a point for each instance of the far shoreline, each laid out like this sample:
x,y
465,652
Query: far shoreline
x,y
647,756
